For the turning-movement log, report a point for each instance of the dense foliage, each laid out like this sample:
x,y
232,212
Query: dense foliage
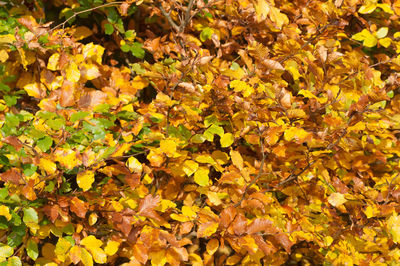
x,y
199,132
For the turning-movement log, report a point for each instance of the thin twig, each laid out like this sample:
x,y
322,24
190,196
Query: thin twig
x,y
260,172
84,11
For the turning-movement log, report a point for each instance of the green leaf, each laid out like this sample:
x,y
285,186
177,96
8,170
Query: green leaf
x,y
4,87
125,48
112,15
78,116
3,193
10,100
56,124
206,34
12,120
32,249
45,143
14,261
108,29
30,215
6,251
4,160
29,169
137,51
62,246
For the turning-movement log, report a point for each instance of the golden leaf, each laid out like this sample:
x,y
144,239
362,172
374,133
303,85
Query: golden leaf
x,y
85,180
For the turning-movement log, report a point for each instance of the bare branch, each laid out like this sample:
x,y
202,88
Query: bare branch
x,y
167,15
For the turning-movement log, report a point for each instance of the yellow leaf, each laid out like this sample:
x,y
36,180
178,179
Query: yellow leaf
x,y
207,229
382,32
91,242
4,211
336,199
201,176
139,83
98,254
94,52
62,246
214,198
371,211
75,254
112,247
72,72
85,180
82,32
53,63
227,140
117,206
385,42
155,158
393,224
262,10
190,211
220,157
233,260
48,166
179,217
386,7
134,165
189,167
212,246
367,8
90,71
165,204
86,258
205,159
237,159
307,94
6,251
298,134
92,218
158,258
7,39
279,18
168,147
67,158
33,90
3,56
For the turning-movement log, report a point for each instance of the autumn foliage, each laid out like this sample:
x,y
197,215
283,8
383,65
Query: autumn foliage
x,y
219,132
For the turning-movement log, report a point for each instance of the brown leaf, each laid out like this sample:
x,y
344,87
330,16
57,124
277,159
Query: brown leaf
x,y
133,180
79,207
13,141
52,211
227,216
272,64
28,190
147,205
124,8
267,248
286,98
284,240
140,252
261,224
239,224
12,175
185,228
67,94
